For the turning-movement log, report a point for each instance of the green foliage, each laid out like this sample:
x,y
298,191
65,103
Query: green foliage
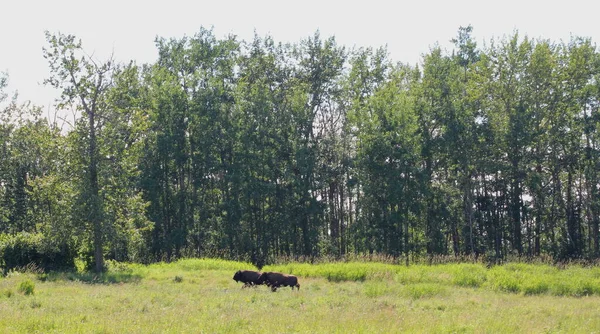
x,y
335,272
256,150
503,280
24,249
117,267
210,264
520,278
536,286
26,287
543,279
469,275
95,278
19,250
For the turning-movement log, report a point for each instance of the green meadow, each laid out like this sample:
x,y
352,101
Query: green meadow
x,y
199,296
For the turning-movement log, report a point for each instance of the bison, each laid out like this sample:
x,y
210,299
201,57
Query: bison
x,y
275,280
248,277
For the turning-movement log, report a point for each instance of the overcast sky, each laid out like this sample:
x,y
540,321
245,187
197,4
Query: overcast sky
x,y
408,28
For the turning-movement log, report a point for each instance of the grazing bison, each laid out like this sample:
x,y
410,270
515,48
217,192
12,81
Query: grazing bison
x,y
275,280
248,277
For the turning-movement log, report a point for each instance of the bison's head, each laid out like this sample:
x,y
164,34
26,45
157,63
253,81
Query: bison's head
x,y
237,276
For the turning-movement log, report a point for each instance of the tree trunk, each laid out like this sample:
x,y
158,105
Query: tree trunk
x,y
95,210
342,202
334,227
468,206
516,210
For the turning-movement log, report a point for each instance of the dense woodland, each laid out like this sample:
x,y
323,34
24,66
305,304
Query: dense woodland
x,y
257,150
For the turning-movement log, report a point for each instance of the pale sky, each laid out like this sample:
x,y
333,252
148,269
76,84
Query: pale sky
x,y
408,28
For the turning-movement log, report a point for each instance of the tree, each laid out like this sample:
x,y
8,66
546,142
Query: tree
x,y
257,150
127,229
84,83
434,102
320,68
387,157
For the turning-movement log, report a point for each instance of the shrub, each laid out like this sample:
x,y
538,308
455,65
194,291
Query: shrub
x,y
117,267
27,287
23,249
19,250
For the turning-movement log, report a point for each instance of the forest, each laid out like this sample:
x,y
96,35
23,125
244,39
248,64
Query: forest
x,y
258,150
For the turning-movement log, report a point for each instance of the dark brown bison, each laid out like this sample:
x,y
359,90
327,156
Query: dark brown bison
x,y
248,277
275,280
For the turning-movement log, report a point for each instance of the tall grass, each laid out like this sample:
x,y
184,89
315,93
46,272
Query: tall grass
x,y
199,295
528,279
521,278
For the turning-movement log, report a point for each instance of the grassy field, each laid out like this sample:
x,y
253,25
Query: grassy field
x,y
199,295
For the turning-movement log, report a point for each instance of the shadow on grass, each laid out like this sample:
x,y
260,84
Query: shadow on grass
x,y
91,278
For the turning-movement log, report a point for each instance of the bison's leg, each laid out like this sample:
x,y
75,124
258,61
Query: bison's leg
x,y
274,286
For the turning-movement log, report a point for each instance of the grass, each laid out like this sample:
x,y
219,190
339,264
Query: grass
x,y
199,295
529,279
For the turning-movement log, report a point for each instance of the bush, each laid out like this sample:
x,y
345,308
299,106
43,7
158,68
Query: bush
x,y
18,251
27,287
117,267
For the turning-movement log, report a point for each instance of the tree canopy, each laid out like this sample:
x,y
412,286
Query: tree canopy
x,y
256,150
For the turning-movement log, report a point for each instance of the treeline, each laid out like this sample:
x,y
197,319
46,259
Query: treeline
x,y
256,150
